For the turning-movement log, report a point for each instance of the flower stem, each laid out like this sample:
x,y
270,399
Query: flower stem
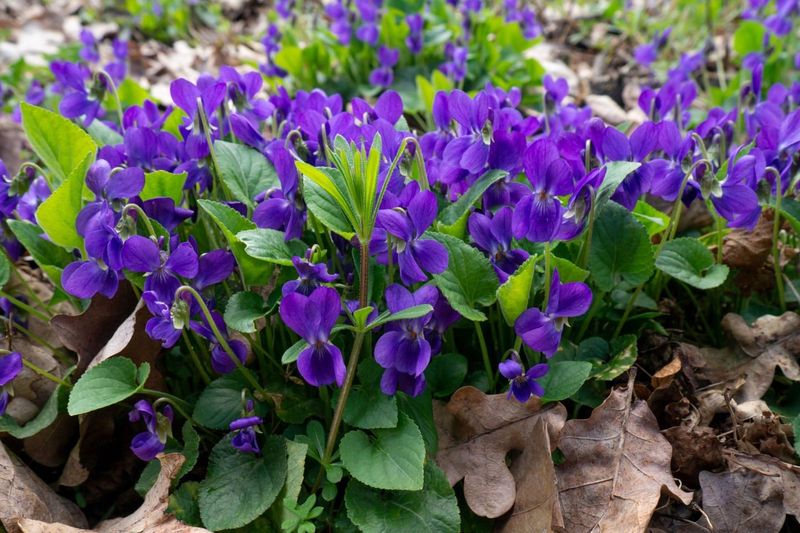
x,y
145,219
196,359
628,309
113,87
547,273
487,362
41,371
221,338
180,405
776,228
25,307
352,365
674,219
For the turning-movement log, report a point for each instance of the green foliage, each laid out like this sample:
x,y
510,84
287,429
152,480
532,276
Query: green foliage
x,y
65,149
163,184
748,37
514,294
392,459
270,245
564,379
434,508
369,408
230,222
245,172
689,261
240,486
621,249
616,172
220,403
243,309
469,280
450,216
446,373
108,383
58,214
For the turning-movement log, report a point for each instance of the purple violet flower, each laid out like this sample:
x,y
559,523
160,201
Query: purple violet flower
x,y
414,40
403,351
383,76
313,317
415,255
245,439
522,384
141,254
538,216
493,237
149,443
186,95
311,275
541,331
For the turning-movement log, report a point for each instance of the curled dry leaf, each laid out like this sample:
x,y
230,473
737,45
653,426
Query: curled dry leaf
x,y
150,517
535,509
748,250
755,351
694,450
617,465
24,495
476,433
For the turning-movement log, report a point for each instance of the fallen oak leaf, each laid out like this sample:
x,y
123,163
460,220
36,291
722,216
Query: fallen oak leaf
x,y
743,501
616,465
23,495
767,465
476,432
755,351
150,517
536,506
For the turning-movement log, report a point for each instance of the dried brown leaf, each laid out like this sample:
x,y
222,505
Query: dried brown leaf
x,y
694,450
755,351
766,465
744,249
24,495
617,465
150,517
743,501
476,433
87,333
535,474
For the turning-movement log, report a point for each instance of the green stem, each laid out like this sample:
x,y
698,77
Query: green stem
x,y
352,365
196,359
25,307
221,338
45,374
776,228
145,219
28,333
547,273
41,371
487,363
628,309
207,132
672,226
180,405
113,87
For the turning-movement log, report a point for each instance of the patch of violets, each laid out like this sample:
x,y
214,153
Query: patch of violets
x,y
552,164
